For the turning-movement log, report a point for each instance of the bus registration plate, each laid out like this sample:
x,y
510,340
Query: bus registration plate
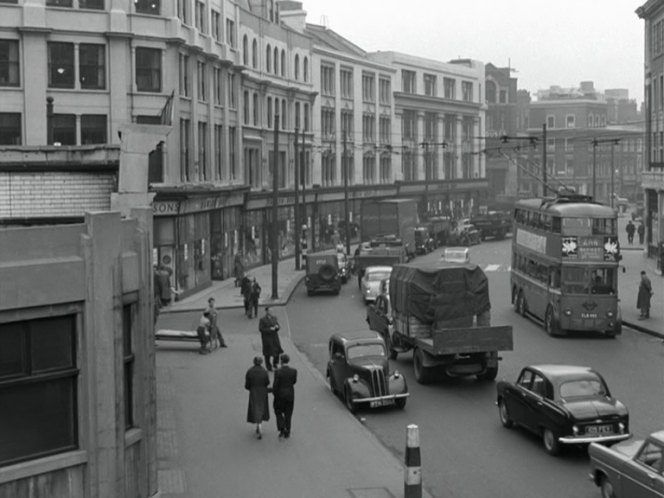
x,y
587,316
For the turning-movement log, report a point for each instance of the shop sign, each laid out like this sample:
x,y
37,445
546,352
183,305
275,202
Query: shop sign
x,y
165,208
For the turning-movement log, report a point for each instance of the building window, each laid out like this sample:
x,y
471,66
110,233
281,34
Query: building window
x,y
306,117
38,388
9,63
148,69
200,17
550,121
216,24
59,3
328,168
368,128
232,97
218,151
93,129
184,75
92,65
327,123
327,80
60,65
218,87
467,91
185,145
369,168
503,97
255,109
202,81
91,4
183,11
232,152
245,50
409,125
283,63
430,85
347,125
297,67
284,115
128,363
202,150
385,130
297,117
245,107
9,1
385,90
408,81
230,33
64,129
148,7
269,112
385,168
305,70
268,59
254,54
275,60
10,128
346,83
449,88
570,121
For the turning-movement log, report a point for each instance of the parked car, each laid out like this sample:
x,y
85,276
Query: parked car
x,y
322,272
564,404
464,233
456,255
370,283
631,469
358,371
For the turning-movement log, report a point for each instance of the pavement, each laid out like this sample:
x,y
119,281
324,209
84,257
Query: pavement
x,y
206,449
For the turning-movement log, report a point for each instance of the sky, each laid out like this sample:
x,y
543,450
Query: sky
x,y
560,42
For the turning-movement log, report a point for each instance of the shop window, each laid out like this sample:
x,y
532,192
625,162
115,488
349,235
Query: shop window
x,y
9,63
38,388
60,65
93,129
128,360
64,129
148,69
147,7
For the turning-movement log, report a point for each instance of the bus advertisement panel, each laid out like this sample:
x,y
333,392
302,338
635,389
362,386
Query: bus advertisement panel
x,y
565,257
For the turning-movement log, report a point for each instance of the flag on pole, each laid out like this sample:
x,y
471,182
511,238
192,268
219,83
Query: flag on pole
x,y
166,114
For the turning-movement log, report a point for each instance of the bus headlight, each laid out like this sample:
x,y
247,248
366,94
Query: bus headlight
x,y
568,312
609,314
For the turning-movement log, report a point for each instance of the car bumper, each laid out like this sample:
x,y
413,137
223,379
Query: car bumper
x,y
613,438
386,399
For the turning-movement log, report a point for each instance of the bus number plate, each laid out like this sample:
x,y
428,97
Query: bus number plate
x,y
588,315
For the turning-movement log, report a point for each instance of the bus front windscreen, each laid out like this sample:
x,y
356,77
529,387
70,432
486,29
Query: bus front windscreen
x,y
589,280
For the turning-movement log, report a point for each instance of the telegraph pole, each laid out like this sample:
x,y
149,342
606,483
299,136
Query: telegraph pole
x,y
297,227
544,146
275,211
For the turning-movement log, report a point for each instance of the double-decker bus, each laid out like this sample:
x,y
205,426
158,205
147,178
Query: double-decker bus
x,y
565,261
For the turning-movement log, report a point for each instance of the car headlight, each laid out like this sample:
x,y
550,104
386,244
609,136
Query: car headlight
x,y
621,427
356,378
568,312
575,430
396,374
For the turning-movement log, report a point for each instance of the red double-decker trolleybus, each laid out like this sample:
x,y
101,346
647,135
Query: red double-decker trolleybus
x,y
565,264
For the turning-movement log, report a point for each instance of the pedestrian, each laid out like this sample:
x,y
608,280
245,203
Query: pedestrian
x,y
641,231
285,378
238,268
254,297
269,329
203,331
245,290
643,298
256,381
215,331
630,228
162,279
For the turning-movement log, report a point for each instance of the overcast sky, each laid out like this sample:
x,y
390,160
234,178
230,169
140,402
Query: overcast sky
x,y
560,42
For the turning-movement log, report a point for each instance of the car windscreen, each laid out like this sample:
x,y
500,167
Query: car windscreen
x,y
377,276
360,350
582,388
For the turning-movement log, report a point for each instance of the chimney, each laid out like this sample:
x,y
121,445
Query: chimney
x,y
292,15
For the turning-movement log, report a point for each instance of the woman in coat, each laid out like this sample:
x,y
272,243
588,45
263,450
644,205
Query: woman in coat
x,y
257,382
643,298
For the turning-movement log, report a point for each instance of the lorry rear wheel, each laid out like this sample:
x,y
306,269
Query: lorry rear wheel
x,y
423,375
489,374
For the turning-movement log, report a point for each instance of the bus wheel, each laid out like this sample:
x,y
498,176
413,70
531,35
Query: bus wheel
x,y
551,324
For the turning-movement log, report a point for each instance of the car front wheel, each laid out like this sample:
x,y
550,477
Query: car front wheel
x,y
551,444
504,415
606,488
400,403
350,404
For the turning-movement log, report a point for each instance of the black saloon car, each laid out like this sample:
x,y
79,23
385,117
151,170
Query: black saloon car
x,y
359,372
564,404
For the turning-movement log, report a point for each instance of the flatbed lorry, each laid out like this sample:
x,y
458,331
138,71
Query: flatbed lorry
x,y
441,311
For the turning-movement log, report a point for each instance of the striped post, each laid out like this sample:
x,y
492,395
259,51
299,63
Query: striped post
x,y
413,478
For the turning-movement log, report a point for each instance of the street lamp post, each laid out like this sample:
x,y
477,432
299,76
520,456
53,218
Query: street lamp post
x,y
347,222
275,211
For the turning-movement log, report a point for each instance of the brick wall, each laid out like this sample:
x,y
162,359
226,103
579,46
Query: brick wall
x,y
54,193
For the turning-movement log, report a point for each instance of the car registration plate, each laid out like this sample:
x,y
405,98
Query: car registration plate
x,y
380,402
598,430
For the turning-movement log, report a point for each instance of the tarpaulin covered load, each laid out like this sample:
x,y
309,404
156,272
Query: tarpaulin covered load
x,y
439,292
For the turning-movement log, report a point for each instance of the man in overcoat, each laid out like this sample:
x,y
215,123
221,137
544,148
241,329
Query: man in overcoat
x,y
285,378
256,382
643,298
269,329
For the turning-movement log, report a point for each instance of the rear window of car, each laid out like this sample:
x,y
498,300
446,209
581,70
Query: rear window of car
x,y
582,388
377,276
361,350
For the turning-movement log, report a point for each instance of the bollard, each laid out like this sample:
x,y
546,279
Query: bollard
x,y
413,478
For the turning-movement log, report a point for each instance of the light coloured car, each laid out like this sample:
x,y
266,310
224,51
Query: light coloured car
x,y
370,285
456,255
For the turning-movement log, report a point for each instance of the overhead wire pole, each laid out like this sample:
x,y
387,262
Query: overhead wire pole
x,y
275,211
296,209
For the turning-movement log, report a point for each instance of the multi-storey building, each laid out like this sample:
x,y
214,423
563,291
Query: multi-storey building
x,y
652,12
579,148
440,109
